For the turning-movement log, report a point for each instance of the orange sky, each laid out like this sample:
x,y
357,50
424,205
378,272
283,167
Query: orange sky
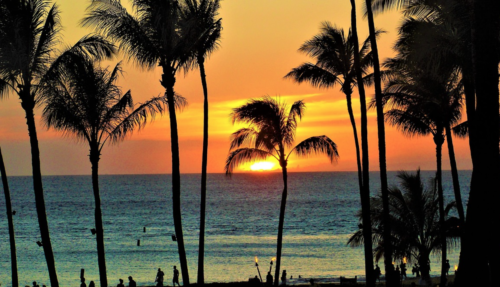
x,y
259,46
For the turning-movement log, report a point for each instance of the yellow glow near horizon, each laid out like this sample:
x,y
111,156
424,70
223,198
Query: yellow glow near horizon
x,y
262,165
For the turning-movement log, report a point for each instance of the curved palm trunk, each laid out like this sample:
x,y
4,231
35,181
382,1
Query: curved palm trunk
x,y
201,244
381,148
281,224
13,257
39,198
439,140
101,258
168,81
356,141
454,175
365,190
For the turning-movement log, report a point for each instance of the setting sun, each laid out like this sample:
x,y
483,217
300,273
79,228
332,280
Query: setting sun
x,y
262,165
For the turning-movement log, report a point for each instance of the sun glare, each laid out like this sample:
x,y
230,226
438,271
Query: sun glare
x,y
262,165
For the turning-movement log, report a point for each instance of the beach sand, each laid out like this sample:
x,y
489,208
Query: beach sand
x,y
406,283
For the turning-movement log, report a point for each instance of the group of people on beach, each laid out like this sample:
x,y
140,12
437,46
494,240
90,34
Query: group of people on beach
x,y
160,275
131,282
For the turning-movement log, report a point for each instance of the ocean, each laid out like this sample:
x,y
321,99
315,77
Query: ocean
x,y
241,223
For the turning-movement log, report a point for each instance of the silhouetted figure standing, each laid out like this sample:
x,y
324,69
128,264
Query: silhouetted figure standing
x,y
447,266
120,284
131,282
403,270
377,272
269,279
159,278
91,284
283,278
83,283
398,276
176,276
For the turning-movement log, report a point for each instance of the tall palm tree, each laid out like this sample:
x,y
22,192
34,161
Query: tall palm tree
x,y
390,279
272,130
202,15
365,192
416,232
425,103
152,37
335,64
86,102
334,55
28,40
12,236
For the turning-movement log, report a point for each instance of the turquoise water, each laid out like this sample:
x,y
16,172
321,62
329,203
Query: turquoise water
x,y
242,220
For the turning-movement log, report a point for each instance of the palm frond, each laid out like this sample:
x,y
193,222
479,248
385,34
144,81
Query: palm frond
x,y
461,130
318,144
243,136
138,118
243,155
317,76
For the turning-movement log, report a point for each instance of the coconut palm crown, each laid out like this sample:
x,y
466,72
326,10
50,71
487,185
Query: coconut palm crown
x,y
271,131
86,102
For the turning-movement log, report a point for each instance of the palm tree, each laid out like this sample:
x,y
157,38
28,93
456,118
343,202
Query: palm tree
x,y
12,236
203,16
335,64
152,37
86,102
425,103
28,39
381,144
334,55
416,231
365,192
271,130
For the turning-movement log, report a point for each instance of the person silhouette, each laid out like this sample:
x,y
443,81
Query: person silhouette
x,y
35,285
176,276
159,278
283,278
377,272
131,282
120,284
91,284
269,279
447,266
83,283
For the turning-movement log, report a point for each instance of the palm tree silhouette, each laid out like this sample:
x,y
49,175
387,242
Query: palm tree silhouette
x,y
390,279
335,64
202,15
86,102
28,39
416,231
334,55
153,37
271,130
425,103
10,213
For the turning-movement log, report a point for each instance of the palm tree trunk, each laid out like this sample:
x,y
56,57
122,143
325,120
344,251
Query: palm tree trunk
x,y
439,140
281,223
13,257
365,190
381,146
201,244
39,197
356,141
479,254
101,254
168,81
454,175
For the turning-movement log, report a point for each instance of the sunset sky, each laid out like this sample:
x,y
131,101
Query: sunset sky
x,y
259,46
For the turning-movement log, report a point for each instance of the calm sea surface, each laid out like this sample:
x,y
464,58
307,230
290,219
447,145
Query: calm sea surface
x,y
242,221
